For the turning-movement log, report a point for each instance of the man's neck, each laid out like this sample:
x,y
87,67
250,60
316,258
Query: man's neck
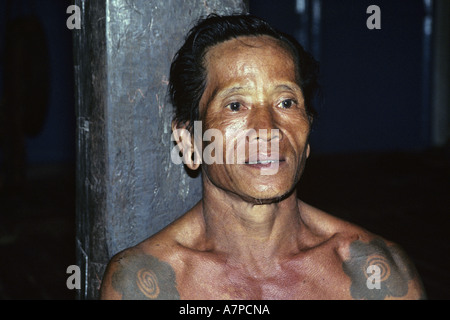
x,y
257,236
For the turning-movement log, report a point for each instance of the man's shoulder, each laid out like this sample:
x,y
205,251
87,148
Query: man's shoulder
x,y
146,271
378,268
136,274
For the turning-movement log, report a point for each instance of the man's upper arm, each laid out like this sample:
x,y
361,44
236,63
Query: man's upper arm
x,y
381,271
138,276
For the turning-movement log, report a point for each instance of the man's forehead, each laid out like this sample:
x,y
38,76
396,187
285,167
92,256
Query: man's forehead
x,y
245,44
246,56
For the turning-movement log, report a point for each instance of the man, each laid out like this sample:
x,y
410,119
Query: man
x,y
250,237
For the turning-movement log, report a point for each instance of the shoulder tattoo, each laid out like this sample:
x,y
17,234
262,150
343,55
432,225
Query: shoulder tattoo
x,y
140,277
378,271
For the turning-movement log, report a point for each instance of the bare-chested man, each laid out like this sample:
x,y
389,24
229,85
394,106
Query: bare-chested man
x,y
250,237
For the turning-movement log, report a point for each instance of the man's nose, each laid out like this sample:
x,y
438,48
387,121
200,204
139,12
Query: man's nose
x,y
262,120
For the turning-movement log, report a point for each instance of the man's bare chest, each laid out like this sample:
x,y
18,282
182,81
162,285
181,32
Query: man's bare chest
x,y
292,281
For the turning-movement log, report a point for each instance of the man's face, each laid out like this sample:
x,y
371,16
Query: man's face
x,y
251,86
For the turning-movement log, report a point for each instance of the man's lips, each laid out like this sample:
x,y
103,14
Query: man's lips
x,y
262,159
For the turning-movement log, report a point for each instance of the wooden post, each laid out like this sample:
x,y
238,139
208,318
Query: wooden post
x,y
127,186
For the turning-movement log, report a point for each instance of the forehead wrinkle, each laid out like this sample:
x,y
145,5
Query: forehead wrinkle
x,y
234,90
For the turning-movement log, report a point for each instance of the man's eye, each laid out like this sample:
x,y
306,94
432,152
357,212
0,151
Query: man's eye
x,y
234,106
286,104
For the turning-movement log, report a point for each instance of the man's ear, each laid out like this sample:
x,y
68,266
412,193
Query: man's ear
x,y
308,149
185,142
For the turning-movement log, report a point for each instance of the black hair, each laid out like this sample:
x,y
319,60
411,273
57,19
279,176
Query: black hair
x,y
187,78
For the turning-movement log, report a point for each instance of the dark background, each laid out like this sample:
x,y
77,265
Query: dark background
x,y
373,160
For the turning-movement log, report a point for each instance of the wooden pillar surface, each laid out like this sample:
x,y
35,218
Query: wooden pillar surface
x,y
127,186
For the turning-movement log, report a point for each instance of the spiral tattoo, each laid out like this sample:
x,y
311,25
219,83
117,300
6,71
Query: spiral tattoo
x,y
381,263
147,282
145,277
393,270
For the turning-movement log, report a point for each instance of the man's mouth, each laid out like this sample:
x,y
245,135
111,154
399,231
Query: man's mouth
x,y
264,159
263,162
266,166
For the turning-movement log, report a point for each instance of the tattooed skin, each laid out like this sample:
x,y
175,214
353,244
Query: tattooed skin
x,y
389,264
145,277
